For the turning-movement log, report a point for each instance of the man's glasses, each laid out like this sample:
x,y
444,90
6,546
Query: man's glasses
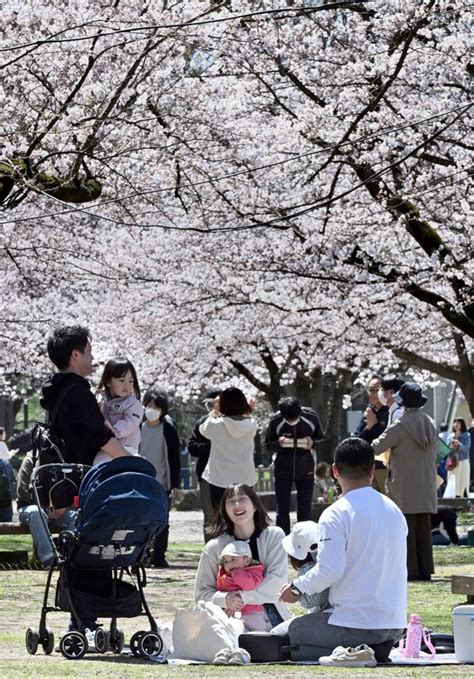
x,y
373,390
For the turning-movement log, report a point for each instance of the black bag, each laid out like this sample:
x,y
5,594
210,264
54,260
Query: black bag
x,y
48,447
5,492
266,647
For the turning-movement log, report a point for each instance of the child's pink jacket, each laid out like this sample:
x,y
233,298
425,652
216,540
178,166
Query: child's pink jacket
x,y
241,579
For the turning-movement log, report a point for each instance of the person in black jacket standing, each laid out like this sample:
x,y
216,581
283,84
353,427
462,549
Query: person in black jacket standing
x,y
200,447
291,436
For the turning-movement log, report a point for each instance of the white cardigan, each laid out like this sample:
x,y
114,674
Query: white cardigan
x,y
272,556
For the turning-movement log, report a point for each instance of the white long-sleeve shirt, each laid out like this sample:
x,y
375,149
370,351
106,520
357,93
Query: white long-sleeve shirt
x,y
362,559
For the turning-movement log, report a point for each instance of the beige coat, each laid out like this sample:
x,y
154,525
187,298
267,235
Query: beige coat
x,y
411,480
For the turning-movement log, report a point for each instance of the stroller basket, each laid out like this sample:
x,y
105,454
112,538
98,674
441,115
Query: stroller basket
x,y
121,599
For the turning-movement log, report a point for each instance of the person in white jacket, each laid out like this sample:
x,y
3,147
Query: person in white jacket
x,y
243,517
231,430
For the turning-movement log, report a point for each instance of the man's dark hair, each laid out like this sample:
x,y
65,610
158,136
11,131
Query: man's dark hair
x,y
64,341
392,382
159,399
290,408
354,458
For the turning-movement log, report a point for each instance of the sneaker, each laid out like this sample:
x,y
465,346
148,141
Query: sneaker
x,y
240,657
222,656
360,656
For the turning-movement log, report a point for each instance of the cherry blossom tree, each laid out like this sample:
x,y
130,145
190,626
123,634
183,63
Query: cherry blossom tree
x,y
214,185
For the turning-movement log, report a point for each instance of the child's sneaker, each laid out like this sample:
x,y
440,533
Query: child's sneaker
x,y
240,657
360,656
222,656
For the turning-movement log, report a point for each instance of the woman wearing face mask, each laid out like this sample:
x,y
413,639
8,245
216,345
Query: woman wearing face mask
x,y
160,446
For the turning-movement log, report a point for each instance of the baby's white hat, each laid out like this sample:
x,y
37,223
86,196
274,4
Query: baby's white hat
x,y
237,548
303,536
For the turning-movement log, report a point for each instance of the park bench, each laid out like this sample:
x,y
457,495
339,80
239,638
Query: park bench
x,y
463,584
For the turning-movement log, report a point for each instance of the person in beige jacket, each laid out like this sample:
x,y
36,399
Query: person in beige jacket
x,y
411,482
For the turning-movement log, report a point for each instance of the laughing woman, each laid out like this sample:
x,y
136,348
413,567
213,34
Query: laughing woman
x,y
241,516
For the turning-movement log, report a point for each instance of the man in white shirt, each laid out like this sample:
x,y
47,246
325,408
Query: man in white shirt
x,y
361,558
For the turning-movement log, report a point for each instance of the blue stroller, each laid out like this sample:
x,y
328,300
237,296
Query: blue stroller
x,y
122,507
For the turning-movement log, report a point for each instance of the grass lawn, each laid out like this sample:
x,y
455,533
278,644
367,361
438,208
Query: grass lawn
x,y
21,594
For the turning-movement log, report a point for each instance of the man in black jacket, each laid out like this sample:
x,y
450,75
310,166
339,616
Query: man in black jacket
x,y
375,418
78,420
200,447
291,435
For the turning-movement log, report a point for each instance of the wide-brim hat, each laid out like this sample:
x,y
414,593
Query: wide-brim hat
x,y
410,395
304,535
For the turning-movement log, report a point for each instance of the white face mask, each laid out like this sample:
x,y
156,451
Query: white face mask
x,y
152,414
382,398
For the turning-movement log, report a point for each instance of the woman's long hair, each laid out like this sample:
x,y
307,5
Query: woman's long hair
x,y
462,422
222,523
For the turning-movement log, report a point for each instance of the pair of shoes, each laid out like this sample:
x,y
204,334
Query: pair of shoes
x,y
360,656
232,656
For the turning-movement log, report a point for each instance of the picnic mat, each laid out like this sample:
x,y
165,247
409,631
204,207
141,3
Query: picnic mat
x,y
397,660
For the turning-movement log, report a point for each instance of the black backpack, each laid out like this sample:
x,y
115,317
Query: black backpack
x,y
55,487
48,447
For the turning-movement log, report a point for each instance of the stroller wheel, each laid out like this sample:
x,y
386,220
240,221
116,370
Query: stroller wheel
x,y
31,640
134,643
101,640
47,642
73,645
150,645
117,641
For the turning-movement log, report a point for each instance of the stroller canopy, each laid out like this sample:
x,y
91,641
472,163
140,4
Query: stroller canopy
x,y
121,504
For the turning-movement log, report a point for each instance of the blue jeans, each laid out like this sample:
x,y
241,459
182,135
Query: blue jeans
x,y
304,495
30,516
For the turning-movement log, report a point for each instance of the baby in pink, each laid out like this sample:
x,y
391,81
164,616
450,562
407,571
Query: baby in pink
x,y
237,572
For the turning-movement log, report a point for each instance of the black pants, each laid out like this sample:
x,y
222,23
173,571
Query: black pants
x,y
304,495
420,562
161,541
216,493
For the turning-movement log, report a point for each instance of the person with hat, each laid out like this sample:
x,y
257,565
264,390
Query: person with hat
x,y
200,447
237,572
411,483
301,545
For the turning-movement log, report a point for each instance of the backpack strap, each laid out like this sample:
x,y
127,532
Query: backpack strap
x,y
52,414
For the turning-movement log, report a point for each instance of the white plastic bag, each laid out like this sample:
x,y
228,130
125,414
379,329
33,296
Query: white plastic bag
x,y
200,632
450,490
